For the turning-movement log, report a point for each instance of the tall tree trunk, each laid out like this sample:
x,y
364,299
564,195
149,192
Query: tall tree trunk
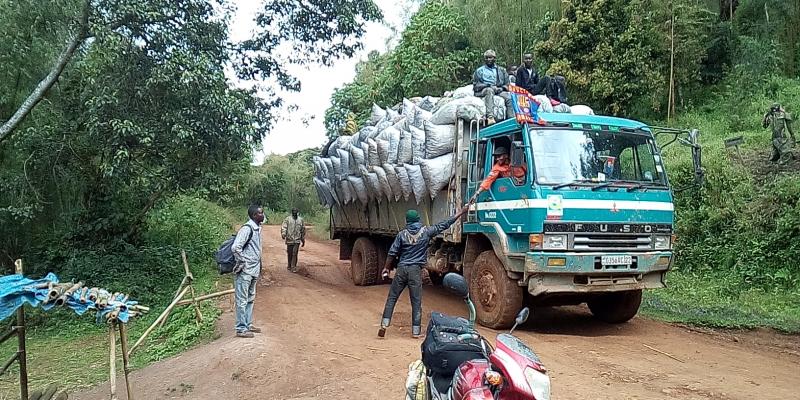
x,y
41,89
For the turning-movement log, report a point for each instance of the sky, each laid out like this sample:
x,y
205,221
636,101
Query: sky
x,y
318,82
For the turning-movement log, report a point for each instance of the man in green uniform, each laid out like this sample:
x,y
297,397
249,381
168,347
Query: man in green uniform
x,y
293,231
779,120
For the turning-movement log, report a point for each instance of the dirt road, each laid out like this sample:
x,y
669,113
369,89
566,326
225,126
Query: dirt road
x,y
319,342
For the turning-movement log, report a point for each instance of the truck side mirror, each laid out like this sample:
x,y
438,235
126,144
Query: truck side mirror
x,y
517,153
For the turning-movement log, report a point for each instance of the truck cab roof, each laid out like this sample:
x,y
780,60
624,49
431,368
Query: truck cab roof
x,y
561,119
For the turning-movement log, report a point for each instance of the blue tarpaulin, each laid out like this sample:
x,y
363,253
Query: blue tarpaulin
x,y
16,290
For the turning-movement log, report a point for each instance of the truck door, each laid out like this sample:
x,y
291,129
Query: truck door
x,y
501,201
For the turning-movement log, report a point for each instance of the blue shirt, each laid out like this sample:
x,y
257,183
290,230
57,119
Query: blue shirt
x,y
487,75
248,256
411,244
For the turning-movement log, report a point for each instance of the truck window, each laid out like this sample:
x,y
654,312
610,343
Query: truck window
x,y
627,165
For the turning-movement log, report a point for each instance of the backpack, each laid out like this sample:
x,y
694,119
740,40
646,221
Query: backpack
x,y
224,255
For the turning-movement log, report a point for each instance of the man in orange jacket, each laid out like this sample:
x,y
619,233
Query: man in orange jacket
x,y
502,168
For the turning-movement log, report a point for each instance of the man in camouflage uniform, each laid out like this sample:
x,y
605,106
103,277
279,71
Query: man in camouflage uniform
x,y
780,121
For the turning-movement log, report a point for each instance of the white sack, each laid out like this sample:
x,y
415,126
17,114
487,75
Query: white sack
x,y
393,136
417,182
468,108
437,173
394,181
337,166
544,103
347,191
383,181
405,153
383,152
562,108
464,91
329,168
377,114
344,157
439,139
409,111
373,157
357,155
582,110
374,186
359,188
366,133
417,145
427,103
393,115
405,183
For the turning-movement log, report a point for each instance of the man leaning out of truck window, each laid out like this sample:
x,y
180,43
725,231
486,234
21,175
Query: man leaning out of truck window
x,y
502,168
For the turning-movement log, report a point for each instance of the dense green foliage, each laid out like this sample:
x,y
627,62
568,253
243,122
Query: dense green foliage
x,y
738,235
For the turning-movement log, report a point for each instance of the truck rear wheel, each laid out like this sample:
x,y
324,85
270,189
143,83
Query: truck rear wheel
x,y
364,262
616,307
497,297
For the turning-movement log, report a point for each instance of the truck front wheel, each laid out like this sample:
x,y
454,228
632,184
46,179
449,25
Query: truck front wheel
x,y
497,297
616,307
364,262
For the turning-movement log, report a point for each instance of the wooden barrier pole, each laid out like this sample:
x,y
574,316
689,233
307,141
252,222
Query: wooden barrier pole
x,y
206,297
198,315
112,340
21,352
123,340
158,320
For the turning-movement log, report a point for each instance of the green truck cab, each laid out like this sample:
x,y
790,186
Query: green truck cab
x,y
590,222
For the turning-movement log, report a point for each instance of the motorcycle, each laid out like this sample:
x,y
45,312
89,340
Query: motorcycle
x,y
460,364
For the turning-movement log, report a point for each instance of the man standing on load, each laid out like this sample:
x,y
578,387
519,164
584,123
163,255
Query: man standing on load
x,y
489,81
293,231
410,247
502,168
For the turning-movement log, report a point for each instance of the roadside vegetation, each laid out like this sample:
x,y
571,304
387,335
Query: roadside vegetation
x,y
725,62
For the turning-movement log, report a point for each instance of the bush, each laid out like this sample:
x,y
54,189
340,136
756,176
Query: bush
x,y
189,223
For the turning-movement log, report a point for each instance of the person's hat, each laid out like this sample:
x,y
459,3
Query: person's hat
x,y
499,151
489,53
412,216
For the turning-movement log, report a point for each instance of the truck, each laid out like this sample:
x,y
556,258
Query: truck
x,y
592,220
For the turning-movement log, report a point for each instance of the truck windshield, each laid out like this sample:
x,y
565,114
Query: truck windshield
x,y
562,156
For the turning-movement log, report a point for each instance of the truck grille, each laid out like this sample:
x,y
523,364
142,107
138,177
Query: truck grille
x,y
598,241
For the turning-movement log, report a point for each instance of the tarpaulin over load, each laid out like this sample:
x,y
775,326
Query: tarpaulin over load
x,y
17,290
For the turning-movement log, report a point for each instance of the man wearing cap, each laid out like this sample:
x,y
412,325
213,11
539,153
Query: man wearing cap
x,y
502,168
293,231
410,248
489,81
780,121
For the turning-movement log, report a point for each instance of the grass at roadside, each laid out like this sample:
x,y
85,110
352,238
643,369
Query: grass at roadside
x,y
72,350
716,300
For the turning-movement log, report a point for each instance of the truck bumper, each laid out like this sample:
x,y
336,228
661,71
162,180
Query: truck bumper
x,y
566,273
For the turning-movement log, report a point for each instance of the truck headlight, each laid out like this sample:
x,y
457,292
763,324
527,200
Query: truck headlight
x,y
555,242
663,242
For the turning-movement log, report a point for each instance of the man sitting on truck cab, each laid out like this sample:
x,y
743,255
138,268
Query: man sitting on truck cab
x,y
489,81
410,247
502,168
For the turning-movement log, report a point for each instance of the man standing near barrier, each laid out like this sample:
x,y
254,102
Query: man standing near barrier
x,y
293,231
410,248
246,250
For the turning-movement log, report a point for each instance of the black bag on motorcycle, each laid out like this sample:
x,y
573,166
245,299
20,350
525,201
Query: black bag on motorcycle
x,y
442,352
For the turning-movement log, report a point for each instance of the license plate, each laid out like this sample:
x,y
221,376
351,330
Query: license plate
x,y
616,260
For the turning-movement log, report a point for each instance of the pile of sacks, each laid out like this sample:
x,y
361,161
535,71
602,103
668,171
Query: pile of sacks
x,y
404,151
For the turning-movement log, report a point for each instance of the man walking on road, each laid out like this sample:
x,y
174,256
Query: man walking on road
x,y
247,252
410,247
294,233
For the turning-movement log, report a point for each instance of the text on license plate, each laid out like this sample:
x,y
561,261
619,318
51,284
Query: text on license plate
x,y
616,260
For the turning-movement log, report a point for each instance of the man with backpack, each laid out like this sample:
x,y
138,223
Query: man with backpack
x,y
246,250
410,248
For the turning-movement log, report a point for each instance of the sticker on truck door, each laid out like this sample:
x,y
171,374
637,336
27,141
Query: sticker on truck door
x,y
555,209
